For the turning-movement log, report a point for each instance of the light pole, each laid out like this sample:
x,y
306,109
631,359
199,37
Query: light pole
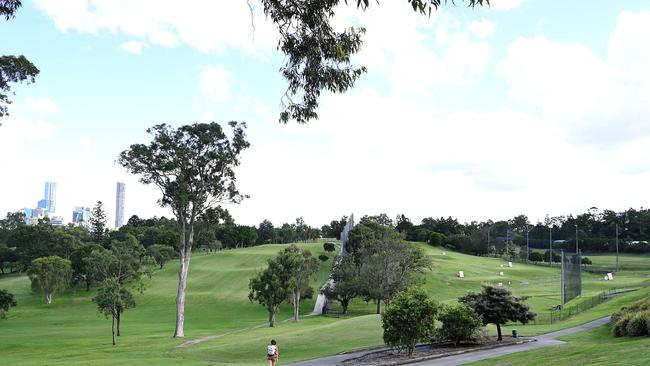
x,y
576,239
527,244
550,246
616,247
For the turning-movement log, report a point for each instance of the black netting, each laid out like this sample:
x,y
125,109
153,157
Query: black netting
x,y
571,276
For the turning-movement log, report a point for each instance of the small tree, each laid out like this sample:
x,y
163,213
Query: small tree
x,y
112,299
161,253
269,288
50,274
409,319
98,223
6,300
498,306
299,267
329,247
346,285
459,323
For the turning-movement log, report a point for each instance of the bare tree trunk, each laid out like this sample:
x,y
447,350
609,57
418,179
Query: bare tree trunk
x,y
48,298
180,296
378,306
113,329
185,254
499,338
119,317
271,317
296,305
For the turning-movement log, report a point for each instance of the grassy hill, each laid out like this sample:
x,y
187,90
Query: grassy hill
x,y
70,331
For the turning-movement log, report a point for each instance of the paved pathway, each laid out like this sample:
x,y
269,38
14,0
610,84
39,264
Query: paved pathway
x,y
543,340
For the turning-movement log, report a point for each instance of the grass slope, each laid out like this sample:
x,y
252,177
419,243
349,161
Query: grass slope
x,y
71,332
594,347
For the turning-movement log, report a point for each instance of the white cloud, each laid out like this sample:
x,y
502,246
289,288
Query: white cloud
x,y
41,105
601,100
208,26
134,47
418,52
505,4
216,81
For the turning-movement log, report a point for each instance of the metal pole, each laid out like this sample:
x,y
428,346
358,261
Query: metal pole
x,y
527,245
562,294
488,248
576,239
550,246
616,247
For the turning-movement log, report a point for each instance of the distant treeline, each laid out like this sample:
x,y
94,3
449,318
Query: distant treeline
x,y
216,229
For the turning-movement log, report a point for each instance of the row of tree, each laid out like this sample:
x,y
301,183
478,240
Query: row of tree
x,y
596,231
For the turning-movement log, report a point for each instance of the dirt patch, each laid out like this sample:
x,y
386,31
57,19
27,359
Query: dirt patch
x,y
428,352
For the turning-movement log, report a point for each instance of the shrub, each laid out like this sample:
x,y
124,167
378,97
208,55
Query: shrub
x,y
459,323
638,324
409,319
329,247
536,257
620,327
323,258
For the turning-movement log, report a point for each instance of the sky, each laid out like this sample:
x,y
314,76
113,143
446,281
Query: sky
x,y
529,107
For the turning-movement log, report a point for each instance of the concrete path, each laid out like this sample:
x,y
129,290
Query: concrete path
x,y
544,340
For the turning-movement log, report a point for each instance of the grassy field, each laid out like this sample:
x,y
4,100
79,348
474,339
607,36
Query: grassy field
x,y
71,332
595,347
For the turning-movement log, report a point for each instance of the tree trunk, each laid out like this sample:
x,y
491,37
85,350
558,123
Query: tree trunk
x,y
271,318
48,298
113,329
119,317
180,296
296,305
185,254
378,306
88,284
344,305
499,338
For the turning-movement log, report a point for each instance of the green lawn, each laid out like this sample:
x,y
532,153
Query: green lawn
x,y
595,347
71,332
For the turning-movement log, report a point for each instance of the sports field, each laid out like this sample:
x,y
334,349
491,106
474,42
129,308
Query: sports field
x,y
70,331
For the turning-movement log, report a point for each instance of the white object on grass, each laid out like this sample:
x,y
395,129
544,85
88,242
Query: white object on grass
x,y
461,274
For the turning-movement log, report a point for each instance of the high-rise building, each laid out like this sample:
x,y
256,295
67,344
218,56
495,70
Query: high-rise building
x,y
49,200
119,205
81,216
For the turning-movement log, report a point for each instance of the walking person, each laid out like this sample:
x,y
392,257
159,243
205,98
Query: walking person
x,y
272,352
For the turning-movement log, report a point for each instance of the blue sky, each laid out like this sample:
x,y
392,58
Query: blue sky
x,y
530,106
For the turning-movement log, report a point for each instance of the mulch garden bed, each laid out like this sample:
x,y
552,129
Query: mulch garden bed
x,y
428,352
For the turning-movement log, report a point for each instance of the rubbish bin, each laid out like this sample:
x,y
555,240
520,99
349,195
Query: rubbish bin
x,y
514,333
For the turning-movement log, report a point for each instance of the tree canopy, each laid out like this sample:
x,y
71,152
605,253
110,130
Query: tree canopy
x,y
50,274
13,69
318,57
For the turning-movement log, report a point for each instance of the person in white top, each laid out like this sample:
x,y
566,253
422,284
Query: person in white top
x,y
272,352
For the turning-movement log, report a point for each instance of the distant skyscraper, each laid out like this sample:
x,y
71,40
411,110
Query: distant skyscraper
x,y
119,205
49,200
81,216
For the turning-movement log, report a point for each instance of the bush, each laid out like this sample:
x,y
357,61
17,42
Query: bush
x,y
459,323
620,327
436,239
638,324
536,257
586,261
329,247
323,258
409,319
